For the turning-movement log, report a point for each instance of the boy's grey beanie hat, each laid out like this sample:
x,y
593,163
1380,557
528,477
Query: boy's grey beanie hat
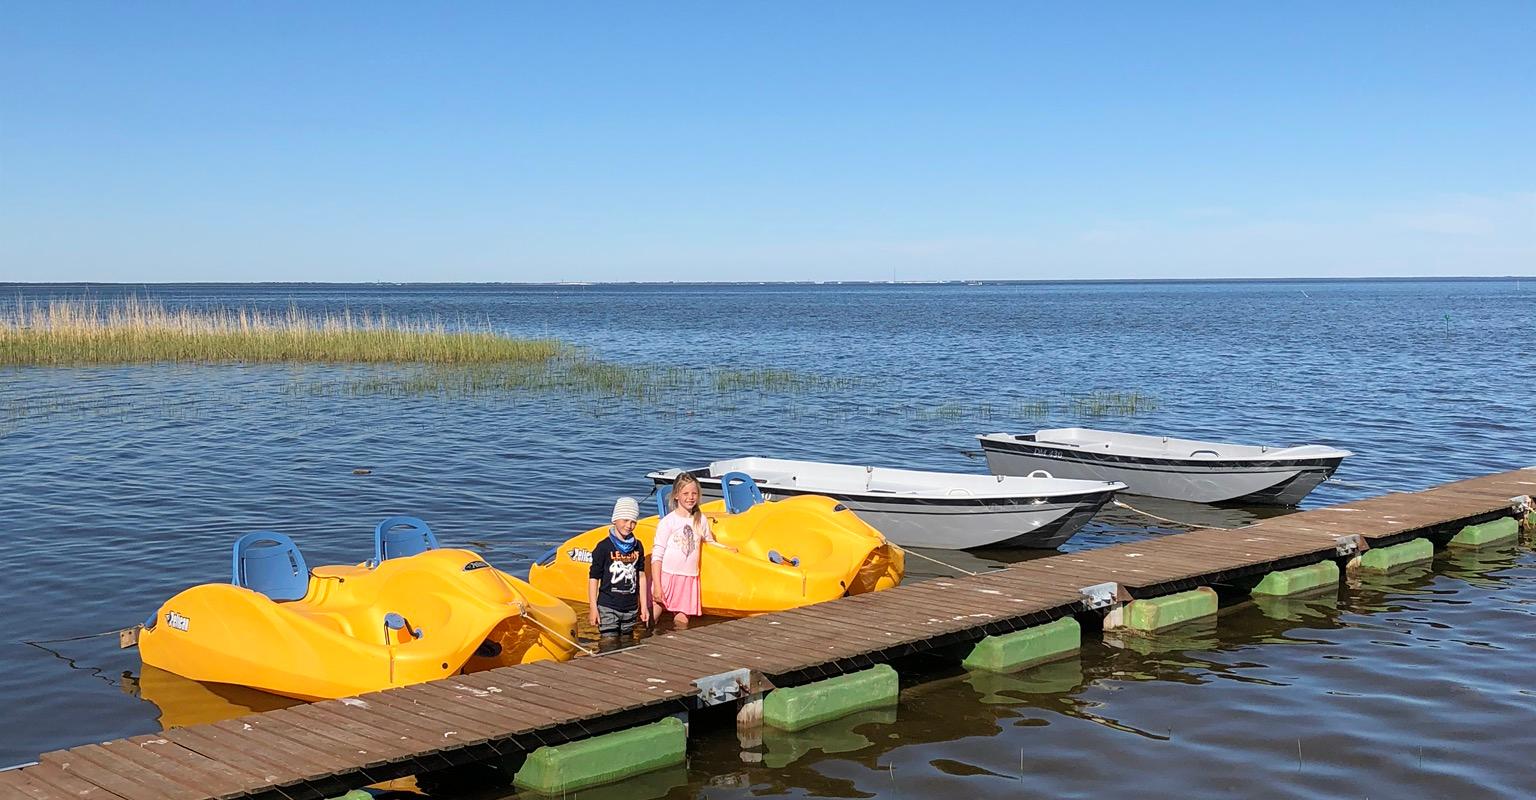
x,y
626,508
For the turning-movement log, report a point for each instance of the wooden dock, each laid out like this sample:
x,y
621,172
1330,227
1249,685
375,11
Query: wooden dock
x,y
323,749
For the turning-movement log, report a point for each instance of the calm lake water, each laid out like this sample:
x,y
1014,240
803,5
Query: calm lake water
x,y
123,485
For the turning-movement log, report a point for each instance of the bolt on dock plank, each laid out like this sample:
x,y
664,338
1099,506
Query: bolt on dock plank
x,y
323,749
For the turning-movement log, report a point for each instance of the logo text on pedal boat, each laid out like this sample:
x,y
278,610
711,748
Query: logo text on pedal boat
x,y
578,554
474,565
177,621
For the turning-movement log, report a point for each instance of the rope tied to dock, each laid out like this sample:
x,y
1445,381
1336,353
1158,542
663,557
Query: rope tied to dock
x,y
928,558
522,608
1135,510
558,635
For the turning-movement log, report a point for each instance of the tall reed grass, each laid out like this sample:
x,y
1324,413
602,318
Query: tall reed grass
x,y
1089,404
1112,404
575,373
67,332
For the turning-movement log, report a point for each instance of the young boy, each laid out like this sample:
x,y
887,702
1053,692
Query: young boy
x,y
617,589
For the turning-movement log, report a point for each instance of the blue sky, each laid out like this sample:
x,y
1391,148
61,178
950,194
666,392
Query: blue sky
x,y
743,141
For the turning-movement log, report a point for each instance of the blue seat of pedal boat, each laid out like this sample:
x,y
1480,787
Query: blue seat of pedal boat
x,y
398,537
270,563
741,492
662,493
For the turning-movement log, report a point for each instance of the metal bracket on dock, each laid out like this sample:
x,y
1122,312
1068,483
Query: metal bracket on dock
x,y
1100,595
1351,545
724,687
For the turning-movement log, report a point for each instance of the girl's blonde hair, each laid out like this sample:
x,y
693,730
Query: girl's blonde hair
x,y
683,480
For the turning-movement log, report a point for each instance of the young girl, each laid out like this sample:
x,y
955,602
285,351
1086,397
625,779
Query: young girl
x,y
675,553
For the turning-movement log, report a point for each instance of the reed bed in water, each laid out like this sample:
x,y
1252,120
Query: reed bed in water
x,y
573,372
1117,404
67,332
1090,404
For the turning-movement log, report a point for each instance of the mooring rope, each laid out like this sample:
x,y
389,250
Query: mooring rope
x,y
558,635
40,642
1133,509
97,672
522,608
929,558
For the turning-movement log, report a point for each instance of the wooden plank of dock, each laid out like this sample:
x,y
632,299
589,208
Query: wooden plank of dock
x,y
322,749
48,782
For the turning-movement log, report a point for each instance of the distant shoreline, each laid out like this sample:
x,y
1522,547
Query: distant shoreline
x,y
663,284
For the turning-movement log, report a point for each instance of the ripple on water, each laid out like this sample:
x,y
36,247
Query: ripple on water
x,y
127,484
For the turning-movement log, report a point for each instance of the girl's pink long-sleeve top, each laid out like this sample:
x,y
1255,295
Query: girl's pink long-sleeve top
x,y
678,541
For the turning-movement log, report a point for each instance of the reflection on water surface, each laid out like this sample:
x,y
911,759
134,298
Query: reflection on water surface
x,y
125,485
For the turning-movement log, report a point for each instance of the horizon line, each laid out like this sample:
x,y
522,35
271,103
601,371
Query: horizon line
x,y
945,282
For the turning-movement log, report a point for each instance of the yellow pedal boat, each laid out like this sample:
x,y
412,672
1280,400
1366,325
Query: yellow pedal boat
x,y
413,614
791,553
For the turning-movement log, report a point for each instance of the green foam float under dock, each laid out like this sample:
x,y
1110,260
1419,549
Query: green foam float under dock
x,y
1156,613
1398,556
1295,581
605,758
1499,531
800,707
1015,651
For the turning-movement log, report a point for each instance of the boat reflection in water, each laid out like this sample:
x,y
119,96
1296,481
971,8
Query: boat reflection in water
x,y
183,701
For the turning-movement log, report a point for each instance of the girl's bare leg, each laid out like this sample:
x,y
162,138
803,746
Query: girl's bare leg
x,y
680,620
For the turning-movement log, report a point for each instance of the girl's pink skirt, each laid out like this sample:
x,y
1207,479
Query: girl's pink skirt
x,y
680,593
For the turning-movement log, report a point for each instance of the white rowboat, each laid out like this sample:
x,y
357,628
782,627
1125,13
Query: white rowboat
x,y
948,510
1160,466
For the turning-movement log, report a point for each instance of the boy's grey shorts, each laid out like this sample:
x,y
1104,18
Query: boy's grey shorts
x,y
611,622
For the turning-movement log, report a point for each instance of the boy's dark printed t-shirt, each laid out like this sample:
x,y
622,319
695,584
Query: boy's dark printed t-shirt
x,y
617,574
